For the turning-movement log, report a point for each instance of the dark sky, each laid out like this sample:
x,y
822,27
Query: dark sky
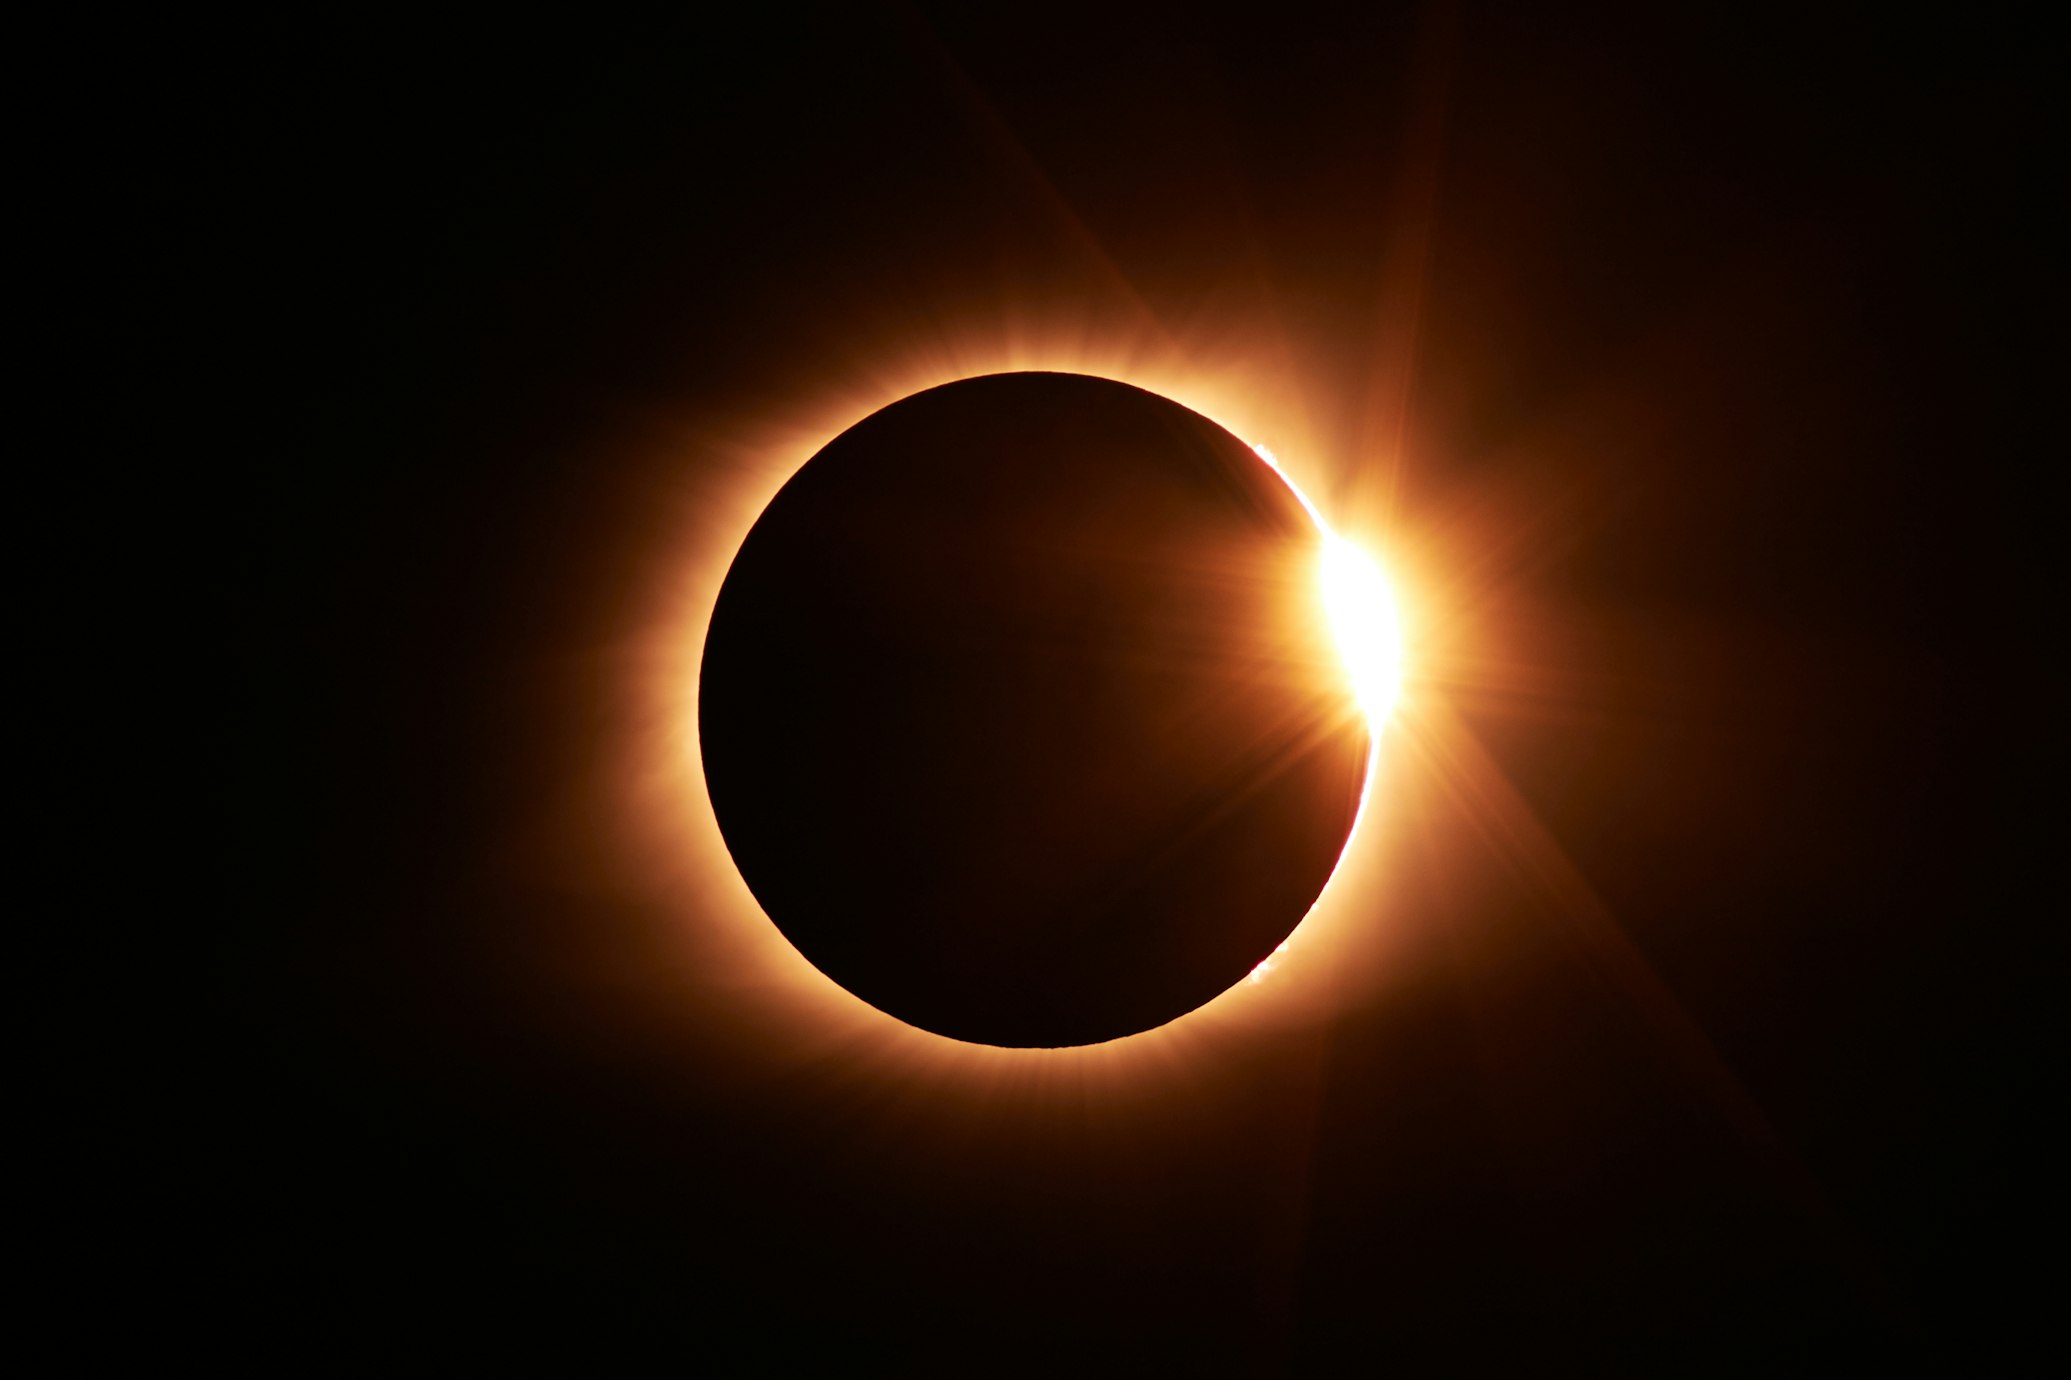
x,y
1721,403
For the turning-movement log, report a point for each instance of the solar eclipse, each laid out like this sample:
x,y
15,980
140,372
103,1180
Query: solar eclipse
x,y
1036,708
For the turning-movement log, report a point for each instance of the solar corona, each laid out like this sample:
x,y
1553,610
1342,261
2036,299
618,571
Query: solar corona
x,y
1036,709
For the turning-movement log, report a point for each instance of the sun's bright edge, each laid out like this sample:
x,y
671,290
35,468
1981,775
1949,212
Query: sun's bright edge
x,y
1360,606
1364,624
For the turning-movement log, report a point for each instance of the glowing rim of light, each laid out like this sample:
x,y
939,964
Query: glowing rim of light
x,y
1359,601
1366,629
808,984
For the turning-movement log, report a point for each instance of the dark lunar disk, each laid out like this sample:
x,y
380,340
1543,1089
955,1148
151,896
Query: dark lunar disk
x,y
1019,713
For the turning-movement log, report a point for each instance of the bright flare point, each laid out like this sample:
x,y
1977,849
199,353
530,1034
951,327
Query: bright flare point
x,y
1364,622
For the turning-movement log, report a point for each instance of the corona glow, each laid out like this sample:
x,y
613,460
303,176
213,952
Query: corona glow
x,y
749,455
1364,623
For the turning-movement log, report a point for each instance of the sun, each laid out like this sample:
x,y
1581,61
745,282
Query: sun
x,y
1364,623
1360,607
1351,632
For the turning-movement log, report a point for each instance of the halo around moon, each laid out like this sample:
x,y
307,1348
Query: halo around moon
x,y
1025,716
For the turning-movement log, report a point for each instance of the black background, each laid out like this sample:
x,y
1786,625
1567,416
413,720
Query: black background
x,y
1735,322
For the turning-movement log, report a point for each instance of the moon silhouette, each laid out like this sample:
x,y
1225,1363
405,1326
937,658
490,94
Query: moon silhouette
x,y
1020,715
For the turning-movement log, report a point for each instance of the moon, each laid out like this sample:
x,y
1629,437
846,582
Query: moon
x,y
1021,713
